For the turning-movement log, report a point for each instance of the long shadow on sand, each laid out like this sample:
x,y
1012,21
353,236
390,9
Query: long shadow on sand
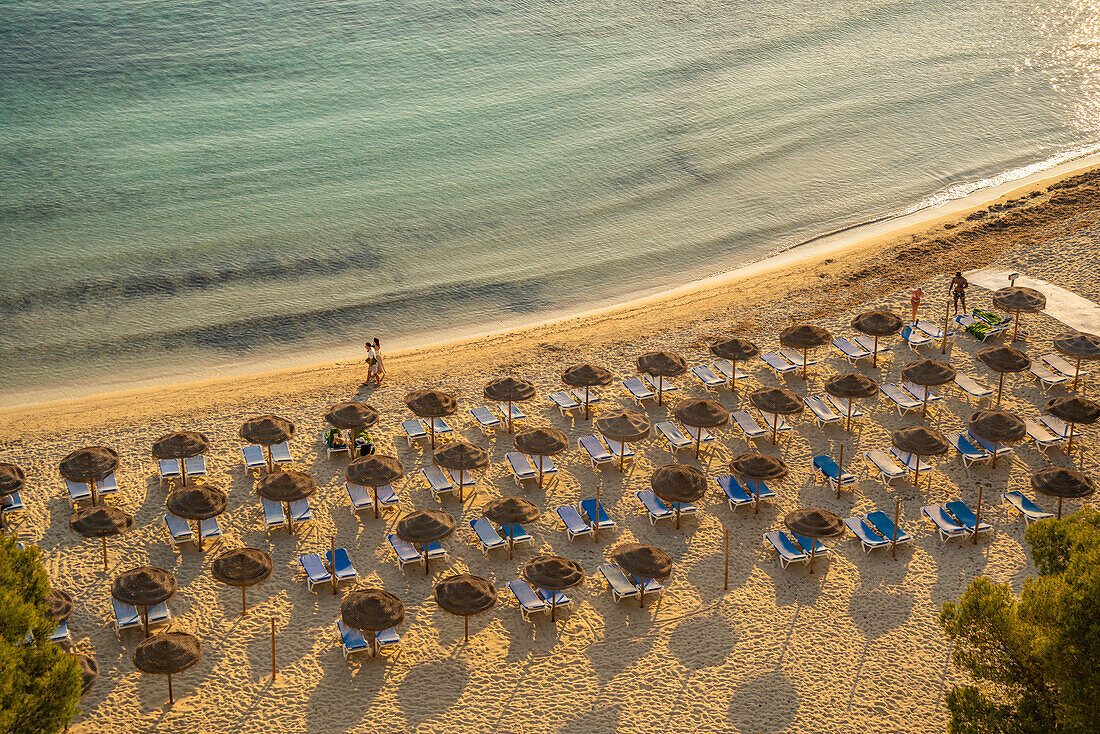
x,y
768,702
431,689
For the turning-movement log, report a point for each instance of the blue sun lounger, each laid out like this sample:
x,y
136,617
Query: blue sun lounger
x,y
593,514
360,496
933,331
344,570
651,586
280,453
1001,449
966,517
575,526
739,496
621,587
315,570
868,343
127,616
487,536
179,528
788,551
771,421
300,511
1045,378
825,468
1028,510
914,338
841,405
968,452
946,526
169,469
406,553
654,507
665,385
1043,439
529,602
559,599
414,431
351,640
884,524
911,462
253,457
210,529
616,448
595,450
809,544
865,534
517,534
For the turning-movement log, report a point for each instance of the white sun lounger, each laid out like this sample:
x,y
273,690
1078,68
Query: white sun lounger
x,y
914,338
595,450
360,496
560,599
933,331
777,423
777,364
739,496
178,528
565,402
621,587
414,431
1028,510
487,536
822,413
789,552
851,352
725,368
529,602
1001,449
210,529
575,526
867,537
1057,426
578,393
840,406
439,482
253,457
651,383
946,527
615,447
1043,439
884,464
517,414
638,390
406,553
273,513
706,375
522,469
971,388
795,357
195,466
919,391
748,425
300,511
1046,378
169,469
676,439
903,402
911,462
1061,365
78,492
280,453
127,617
654,507
315,570
968,452
484,417
61,634
351,640
868,343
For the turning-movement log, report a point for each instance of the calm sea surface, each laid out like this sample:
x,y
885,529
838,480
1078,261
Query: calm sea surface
x,y
191,186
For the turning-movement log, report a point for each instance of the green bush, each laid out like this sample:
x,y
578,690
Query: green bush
x,y
1035,662
39,683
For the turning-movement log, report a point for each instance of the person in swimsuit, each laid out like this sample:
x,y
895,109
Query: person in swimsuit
x,y
914,301
378,369
958,291
372,362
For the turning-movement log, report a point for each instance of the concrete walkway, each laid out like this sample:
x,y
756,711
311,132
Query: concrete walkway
x,y
1069,308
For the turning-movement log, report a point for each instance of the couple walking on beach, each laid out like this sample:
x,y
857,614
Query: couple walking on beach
x,y
376,371
957,286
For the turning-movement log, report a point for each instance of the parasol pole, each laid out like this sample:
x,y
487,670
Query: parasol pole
x,y
375,491
874,358
756,492
553,603
726,578
244,604
775,427
270,460
145,619
813,553
733,375
641,595
1069,443
596,520
431,430
805,359
622,455
272,648
978,515
104,539
332,551
92,488
1000,389
848,425
1076,374
425,559
510,426
677,515
511,539
459,485
894,542
1016,328
660,389
586,402
540,471
170,699
924,408
466,637
698,440
1059,508
839,469
994,454
946,319
289,518
916,472
183,472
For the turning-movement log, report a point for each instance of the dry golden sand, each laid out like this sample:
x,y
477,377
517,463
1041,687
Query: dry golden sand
x,y
854,647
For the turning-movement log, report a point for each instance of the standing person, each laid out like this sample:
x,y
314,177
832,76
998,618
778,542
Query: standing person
x,y
372,360
914,301
379,368
958,291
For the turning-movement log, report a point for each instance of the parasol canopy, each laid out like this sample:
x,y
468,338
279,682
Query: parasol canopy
x,y
374,470
586,376
999,426
197,502
371,609
1078,346
431,404
89,464
242,567
1063,483
541,442
553,573
1073,410
757,468
804,336
267,430
423,527
700,414
1002,360
1017,300
814,523
465,595
60,604
662,365
877,324
735,349
461,456
678,483
643,561
143,587
509,390
181,445
352,416
509,512
288,485
776,401
100,522
12,478
851,385
920,441
168,653
928,372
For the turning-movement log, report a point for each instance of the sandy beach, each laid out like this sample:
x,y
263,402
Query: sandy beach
x,y
854,647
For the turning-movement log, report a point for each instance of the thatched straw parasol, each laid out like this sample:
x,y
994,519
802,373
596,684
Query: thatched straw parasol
x,y
920,442
998,426
371,610
1073,410
242,567
928,373
1017,300
734,350
374,471
555,574
461,457
60,604
662,365
100,522
1003,359
198,502
814,523
89,671
1063,483
266,431
1078,346
12,480
431,404
285,487
89,465
181,446
643,561
508,390
757,468
678,483
351,418
541,442
804,337
776,401
848,387
623,427
586,376
465,595
423,527
877,324
168,653
509,512
700,414
144,587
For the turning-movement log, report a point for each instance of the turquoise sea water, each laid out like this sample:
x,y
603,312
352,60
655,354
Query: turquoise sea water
x,y
190,185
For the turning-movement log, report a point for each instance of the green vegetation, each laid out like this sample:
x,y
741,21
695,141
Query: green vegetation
x,y
39,682
1035,661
